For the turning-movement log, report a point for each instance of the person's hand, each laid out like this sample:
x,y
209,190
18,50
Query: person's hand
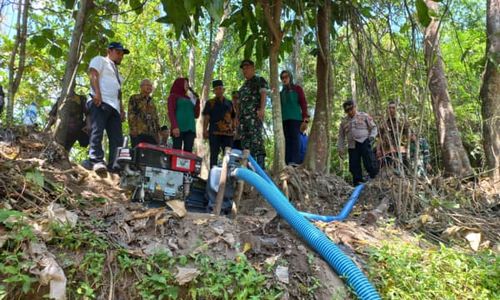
x,y
428,167
97,99
260,114
205,134
86,129
176,132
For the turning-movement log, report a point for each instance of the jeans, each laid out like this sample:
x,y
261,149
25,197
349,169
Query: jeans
x,y
103,118
291,129
185,139
362,151
218,143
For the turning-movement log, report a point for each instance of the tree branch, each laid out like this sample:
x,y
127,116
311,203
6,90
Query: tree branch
x,y
272,21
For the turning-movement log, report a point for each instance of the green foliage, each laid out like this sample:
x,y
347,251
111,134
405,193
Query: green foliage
x,y
401,270
423,13
14,268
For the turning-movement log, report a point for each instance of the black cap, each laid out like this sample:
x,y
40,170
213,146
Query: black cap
x,y
217,83
246,62
348,104
118,46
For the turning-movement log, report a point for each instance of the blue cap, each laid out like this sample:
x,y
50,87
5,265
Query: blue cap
x,y
118,46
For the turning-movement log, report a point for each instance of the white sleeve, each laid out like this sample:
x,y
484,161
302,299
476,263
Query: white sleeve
x,y
97,64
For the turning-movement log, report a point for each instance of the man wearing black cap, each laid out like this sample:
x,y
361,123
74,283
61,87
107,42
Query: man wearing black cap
x,y
218,122
360,131
105,106
251,108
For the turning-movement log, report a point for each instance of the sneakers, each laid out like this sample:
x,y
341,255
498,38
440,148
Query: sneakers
x,y
100,168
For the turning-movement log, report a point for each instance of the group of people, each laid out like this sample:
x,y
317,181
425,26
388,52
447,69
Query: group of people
x,y
237,123
397,146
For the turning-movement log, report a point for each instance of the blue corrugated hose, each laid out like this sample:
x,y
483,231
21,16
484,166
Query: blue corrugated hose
x,y
344,213
340,263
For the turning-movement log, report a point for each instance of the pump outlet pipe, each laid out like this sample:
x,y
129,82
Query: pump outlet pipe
x,y
337,260
344,213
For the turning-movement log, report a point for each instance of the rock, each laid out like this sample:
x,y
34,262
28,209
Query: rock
x,y
186,275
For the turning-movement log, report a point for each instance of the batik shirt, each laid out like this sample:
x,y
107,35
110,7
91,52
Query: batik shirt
x,y
142,116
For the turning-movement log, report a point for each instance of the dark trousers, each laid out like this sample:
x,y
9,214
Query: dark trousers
x,y
362,151
217,144
142,138
185,141
103,118
291,129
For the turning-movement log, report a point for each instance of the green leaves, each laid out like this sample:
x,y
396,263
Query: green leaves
x,y
35,176
423,13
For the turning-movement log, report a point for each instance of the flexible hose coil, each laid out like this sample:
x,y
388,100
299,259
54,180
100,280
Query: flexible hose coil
x,y
339,262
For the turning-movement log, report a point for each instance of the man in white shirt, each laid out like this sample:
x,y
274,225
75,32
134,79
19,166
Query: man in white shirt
x,y
105,106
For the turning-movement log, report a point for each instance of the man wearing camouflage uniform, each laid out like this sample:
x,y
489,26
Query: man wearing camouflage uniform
x,y
360,131
252,104
143,121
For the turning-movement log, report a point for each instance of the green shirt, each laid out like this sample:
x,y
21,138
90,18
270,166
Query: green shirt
x,y
290,108
184,113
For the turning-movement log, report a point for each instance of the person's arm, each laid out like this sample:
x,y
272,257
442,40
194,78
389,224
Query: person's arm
x,y
372,127
302,102
197,108
94,83
206,119
172,106
263,98
132,117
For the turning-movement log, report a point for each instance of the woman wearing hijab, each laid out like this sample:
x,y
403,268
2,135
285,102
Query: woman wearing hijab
x,y
183,109
293,113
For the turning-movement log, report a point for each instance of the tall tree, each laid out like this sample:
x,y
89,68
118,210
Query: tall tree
x,y
455,159
295,57
318,149
213,54
72,62
272,15
490,90
19,50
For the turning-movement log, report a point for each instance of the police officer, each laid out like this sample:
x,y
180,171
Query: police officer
x,y
360,131
218,122
251,108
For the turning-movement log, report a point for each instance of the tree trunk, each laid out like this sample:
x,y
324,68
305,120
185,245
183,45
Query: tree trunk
x,y
74,58
272,15
192,66
296,63
319,142
207,79
16,72
490,91
456,161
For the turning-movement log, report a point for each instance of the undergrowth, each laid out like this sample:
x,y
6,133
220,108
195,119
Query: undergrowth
x,y
402,270
87,256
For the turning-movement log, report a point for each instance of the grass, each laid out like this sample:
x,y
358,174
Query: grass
x,y
401,270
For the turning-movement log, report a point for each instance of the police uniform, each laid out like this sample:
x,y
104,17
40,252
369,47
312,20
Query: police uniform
x,y
359,131
251,127
143,120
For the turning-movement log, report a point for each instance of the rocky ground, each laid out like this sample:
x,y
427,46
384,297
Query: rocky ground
x,y
36,179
